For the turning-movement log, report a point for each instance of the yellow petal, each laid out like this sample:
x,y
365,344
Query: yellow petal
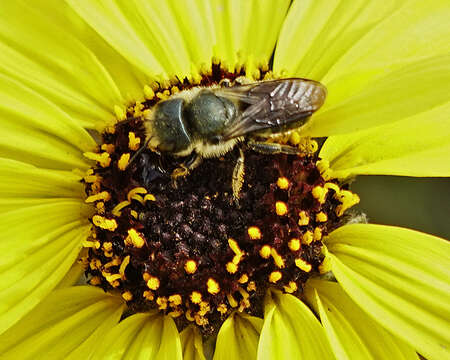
x,y
416,146
352,334
39,245
142,336
291,331
143,32
399,277
68,323
243,34
192,344
238,337
397,95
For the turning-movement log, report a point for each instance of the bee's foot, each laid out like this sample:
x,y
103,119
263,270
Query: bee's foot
x,y
181,171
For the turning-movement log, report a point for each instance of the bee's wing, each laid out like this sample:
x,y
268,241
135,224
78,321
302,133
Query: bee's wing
x,y
272,104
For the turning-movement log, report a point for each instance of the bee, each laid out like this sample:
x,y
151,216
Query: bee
x,y
207,122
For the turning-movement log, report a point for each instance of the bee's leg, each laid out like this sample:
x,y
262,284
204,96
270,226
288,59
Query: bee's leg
x,y
238,176
185,168
273,148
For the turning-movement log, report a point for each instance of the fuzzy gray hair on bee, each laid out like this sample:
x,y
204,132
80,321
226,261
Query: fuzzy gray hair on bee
x,y
210,121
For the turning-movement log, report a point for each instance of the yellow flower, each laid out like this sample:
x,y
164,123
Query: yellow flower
x,y
69,69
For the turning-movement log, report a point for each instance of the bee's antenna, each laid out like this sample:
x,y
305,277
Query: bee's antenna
x,y
141,149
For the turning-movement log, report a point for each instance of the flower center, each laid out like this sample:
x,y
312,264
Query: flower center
x,y
186,247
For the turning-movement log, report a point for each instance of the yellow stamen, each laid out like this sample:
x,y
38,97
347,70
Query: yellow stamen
x,y
162,302
307,238
303,265
283,183
175,300
127,296
117,209
281,208
291,287
175,313
320,194
243,279
124,265
231,267
103,159
134,214
109,148
348,199
222,308
332,186
114,262
317,234
148,295
136,190
303,218
212,286
294,244
275,276
254,233
107,246
135,238
265,251
232,301
149,197
321,217
324,168
104,223
91,244
190,266
234,246
123,161
153,283
104,195
279,262
251,286
148,92
138,198
95,280
133,141
196,297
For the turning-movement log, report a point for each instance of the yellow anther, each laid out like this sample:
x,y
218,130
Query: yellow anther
x,y
137,110
243,279
243,293
234,246
136,190
265,251
332,186
251,286
127,296
175,300
294,244
283,183
204,308
138,198
324,168
103,158
200,320
237,259
123,161
135,238
124,265
148,295
174,90
104,195
92,179
95,280
303,265
149,197
117,209
321,217
232,301
133,141
231,267
275,276
107,246
95,264
162,303
120,112
222,308
91,244
317,234
303,218
254,233
188,315
279,262
320,194
104,223
213,286
134,214
153,283
146,276
196,297
148,92
291,287
244,304
100,206
348,199
175,313
109,148
294,138
325,267
190,266
307,237
281,208
111,278
308,145
114,262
